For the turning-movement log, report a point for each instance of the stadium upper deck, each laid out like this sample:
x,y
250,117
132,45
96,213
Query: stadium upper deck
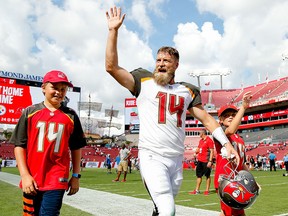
x,y
268,114
264,93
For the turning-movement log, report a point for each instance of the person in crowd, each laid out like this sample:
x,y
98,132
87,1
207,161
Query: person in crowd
x,y
204,152
1,163
43,138
285,160
272,161
230,119
108,164
259,162
162,103
130,164
82,164
124,154
252,162
264,163
117,162
247,160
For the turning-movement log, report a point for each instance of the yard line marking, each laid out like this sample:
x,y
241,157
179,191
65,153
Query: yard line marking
x,y
179,201
107,189
207,204
269,176
212,191
128,192
136,195
282,183
285,214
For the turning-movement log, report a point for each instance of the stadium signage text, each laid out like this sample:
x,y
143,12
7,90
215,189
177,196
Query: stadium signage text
x,y
14,75
265,115
130,102
13,99
7,94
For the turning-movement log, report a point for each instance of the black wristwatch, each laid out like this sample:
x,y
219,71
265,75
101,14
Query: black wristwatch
x,y
76,175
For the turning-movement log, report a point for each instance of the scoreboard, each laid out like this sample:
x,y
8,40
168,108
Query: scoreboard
x,y
17,91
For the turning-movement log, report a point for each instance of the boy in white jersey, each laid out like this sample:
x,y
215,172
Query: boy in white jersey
x,y
162,105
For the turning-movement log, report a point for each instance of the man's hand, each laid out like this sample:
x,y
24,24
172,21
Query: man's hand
x,y
73,186
209,164
115,19
231,153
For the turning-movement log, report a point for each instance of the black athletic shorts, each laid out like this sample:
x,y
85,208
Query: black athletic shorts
x,y
202,169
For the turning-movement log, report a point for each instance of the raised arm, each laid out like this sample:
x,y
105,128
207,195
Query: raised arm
x,y
207,120
212,125
122,76
237,119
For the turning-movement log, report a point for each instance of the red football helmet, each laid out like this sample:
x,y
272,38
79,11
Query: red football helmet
x,y
238,190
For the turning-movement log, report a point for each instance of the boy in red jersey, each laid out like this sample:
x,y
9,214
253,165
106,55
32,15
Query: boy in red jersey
x,y
230,119
43,136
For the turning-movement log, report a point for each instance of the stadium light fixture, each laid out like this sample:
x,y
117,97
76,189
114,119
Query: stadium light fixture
x,y
285,56
94,106
112,113
210,72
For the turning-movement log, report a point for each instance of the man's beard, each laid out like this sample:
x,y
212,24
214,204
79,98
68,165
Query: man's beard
x,y
163,78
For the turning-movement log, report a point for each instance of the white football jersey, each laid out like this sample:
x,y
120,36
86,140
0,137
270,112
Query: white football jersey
x,y
162,113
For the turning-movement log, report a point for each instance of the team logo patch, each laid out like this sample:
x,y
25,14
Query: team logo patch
x,y
2,110
61,75
63,179
238,192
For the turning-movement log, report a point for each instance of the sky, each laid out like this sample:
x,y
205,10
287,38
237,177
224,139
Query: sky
x,y
249,38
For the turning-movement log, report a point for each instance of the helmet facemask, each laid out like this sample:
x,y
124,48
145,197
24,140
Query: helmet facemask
x,y
237,189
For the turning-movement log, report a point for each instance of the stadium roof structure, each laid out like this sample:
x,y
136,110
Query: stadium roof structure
x,y
210,72
270,94
28,79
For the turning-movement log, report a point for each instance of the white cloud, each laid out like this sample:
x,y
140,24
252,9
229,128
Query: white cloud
x,y
156,7
43,36
140,15
255,36
142,12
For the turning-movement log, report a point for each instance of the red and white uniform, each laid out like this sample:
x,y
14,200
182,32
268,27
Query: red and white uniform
x,y
48,136
162,114
223,168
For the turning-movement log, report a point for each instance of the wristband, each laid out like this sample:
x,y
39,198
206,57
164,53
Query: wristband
x,y
219,135
76,175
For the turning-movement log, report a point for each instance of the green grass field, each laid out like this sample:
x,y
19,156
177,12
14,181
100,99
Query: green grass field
x,y
272,200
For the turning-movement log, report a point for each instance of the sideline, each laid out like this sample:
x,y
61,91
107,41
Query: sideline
x,y
100,203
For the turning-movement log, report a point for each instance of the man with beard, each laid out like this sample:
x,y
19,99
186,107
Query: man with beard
x,y
162,105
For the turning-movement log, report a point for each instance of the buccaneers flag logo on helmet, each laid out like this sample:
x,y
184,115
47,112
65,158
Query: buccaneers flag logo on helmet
x,y
239,192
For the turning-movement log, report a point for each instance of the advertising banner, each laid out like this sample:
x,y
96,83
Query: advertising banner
x,y
18,91
13,99
132,123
